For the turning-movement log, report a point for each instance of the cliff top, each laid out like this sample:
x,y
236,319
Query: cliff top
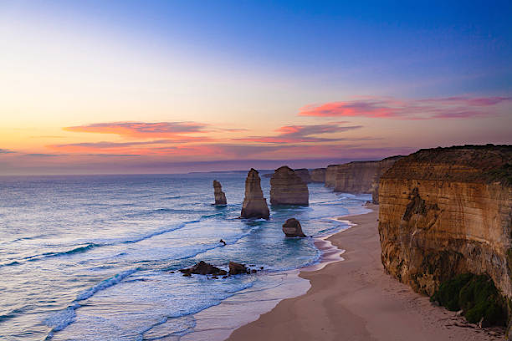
x,y
474,163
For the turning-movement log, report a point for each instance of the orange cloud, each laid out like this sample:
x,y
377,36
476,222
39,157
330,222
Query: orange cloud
x,y
170,130
385,107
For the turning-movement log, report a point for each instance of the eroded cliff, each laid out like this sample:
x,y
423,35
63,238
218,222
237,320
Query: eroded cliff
x,y
448,211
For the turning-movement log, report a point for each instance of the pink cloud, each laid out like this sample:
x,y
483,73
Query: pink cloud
x,y
419,109
301,134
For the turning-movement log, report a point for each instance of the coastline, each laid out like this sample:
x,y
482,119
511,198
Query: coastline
x,y
355,300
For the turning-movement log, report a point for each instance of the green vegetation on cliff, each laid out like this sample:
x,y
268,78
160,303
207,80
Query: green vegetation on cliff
x,y
475,295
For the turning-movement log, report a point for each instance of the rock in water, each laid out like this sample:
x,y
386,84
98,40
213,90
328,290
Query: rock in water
x,y
220,196
237,268
255,205
203,268
292,228
287,188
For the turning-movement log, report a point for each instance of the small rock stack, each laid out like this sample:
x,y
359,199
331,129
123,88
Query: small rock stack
x,y
220,196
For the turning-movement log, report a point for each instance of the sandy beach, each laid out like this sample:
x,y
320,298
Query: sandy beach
x,y
355,300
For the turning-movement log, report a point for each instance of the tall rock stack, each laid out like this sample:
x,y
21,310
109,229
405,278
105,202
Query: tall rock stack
x,y
318,175
287,188
448,211
255,205
220,196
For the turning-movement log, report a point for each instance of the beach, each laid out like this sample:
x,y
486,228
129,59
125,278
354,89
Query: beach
x,y
355,299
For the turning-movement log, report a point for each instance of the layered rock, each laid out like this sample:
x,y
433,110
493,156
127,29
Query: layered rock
x,y
318,175
287,188
330,175
448,211
292,228
220,196
304,174
255,205
355,177
384,165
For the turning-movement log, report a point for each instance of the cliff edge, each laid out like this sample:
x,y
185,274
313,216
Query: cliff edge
x,y
448,211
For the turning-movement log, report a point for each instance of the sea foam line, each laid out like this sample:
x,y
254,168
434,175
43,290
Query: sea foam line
x,y
64,318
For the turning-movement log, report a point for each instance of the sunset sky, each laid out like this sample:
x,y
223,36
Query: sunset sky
x,y
94,87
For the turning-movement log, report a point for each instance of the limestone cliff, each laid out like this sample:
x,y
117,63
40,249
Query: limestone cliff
x,y
448,211
330,175
288,188
318,175
220,196
255,205
356,176
384,165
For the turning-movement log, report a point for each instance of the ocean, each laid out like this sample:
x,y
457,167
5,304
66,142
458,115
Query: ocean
x,y
96,257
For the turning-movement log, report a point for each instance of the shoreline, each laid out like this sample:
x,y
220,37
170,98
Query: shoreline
x,y
355,299
214,324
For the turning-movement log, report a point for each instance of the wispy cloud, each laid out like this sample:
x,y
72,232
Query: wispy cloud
x,y
170,130
413,109
301,134
6,151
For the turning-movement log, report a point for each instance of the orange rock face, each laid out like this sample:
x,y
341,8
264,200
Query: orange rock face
x,y
447,211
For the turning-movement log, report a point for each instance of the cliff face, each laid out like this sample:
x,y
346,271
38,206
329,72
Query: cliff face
x,y
448,211
384,165
330,175
356,176
318,175
255,205
288,188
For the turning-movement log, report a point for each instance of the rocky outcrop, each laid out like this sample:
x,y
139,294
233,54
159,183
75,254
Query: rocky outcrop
x,y
304,174
318,175
292,228
237,268
203,268
448,211
220,196
287,188
255,205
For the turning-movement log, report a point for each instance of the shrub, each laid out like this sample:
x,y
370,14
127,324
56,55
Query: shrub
x,y
476,295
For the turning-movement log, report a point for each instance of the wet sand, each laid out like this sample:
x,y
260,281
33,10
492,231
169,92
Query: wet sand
x,y
355,299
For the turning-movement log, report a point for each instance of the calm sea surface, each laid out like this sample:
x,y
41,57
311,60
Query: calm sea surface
x,y
93,257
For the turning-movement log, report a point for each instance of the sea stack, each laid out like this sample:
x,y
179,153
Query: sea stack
x,y
220,196
304,174
292,228
318,175
287,188
255,205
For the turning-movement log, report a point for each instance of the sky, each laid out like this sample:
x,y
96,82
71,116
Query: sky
x,y
108,87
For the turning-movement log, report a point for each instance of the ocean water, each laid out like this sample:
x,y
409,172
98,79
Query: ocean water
x,y
96,257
